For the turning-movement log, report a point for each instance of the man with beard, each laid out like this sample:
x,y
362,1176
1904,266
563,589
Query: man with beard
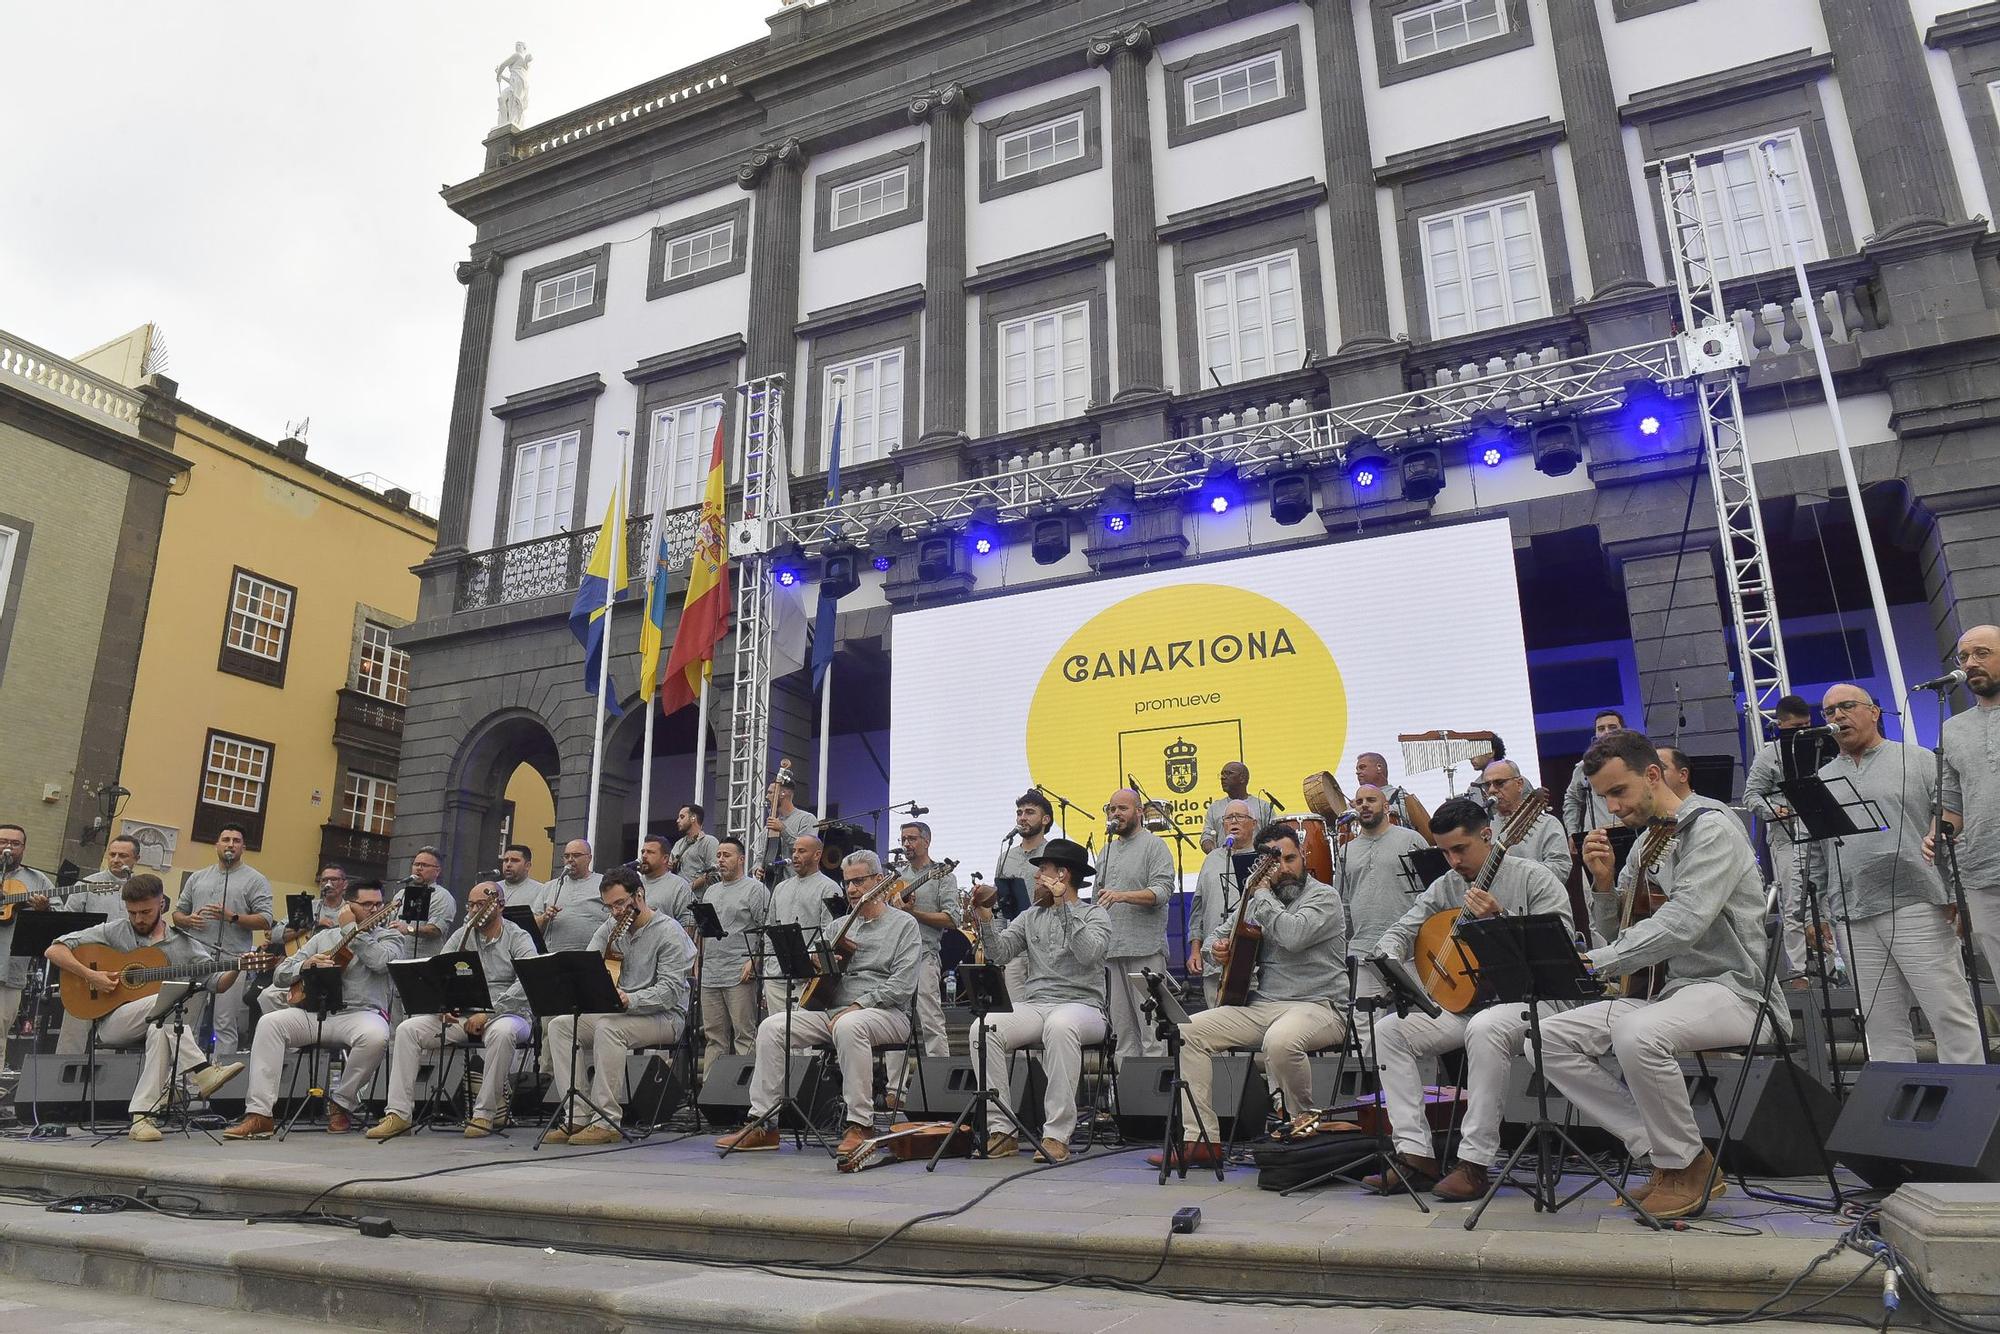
x,y
666,892
1791,860
1135,882
1582,809
693,858
220,906
1972,786
1376,885
728,989
517,882
1034,817
1217,889
1371,769
800,899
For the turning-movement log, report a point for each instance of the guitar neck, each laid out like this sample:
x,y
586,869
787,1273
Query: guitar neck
x,y
184,971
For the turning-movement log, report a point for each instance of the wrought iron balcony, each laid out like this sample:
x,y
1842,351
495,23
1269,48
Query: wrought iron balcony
x,y
361,854
548,566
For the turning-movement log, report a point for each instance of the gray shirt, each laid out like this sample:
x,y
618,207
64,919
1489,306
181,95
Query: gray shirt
x,y
365,984
1216,892
35,883
442,912
778,847
1879,872
496,960
524,892
694,857
1520,885
1303,954
1972,788
1547,843
1761,795
100,891
1065,945
582,912
1607,910
1379,889
800,900
241,889
1583,809
655,962
1211,824
1138,861
668,893
939,894
738,904
881,974
178,946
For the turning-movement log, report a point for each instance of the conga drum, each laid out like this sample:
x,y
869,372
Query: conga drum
x,y
1313,842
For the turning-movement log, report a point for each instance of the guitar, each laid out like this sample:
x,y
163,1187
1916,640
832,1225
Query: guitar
x,y
140,973
14,892
818,993
1245,938
1444,962
1643,900
614,962
342,954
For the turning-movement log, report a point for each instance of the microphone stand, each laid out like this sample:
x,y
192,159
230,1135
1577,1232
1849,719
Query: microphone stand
x,y
1947,864
1181,839
1063,805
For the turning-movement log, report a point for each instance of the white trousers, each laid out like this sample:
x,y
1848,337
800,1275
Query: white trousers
x,y
1492,1038
607,1040
728,1021
1984,905
126,1026
930,1020
1287,1030
1128,1020
1650,1111
1062,1030
1910,957
854,1036
1785,859
10,1010
226,1016
419,1035
364,1034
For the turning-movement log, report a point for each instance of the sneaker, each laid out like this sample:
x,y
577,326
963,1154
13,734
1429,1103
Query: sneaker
x,y
390,1126
252,1126
1052,1151
1467,1182
750,1139
339,1121
478,1128
594,1136
1417,1173
206,1082
145,1130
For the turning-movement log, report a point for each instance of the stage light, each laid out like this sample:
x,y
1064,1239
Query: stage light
x,y
1116,507
1291,497
1050,540
1558,448
1423,472
982,531
788,564
1646,409
1219,489
1492,438
840,573
1367,463
884,564
934,557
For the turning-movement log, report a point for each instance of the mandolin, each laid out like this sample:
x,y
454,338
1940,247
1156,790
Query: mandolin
x,y
341,953
1643,900
614,961
1245,938
1444,962
818,993
140,973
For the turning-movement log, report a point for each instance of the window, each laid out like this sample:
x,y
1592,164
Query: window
x,y
544,487
677,461
235,787
877,196
385,669
564,291
570,291
9,540
369,803
256,634
689,255
1250,319
1739,205
1438,28
1041,146
870,393
1236,88
1483,267
1044,367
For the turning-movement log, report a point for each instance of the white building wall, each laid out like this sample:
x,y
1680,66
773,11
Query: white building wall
x,y
1487,94
873,264
1244,161
1048,215
1654,50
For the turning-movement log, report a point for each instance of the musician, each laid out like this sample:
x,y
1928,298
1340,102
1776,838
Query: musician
x,y
935,907
1545,842
694,851
1899,916
1377,884
141,924
800,898
1061,1005
728,991
220,906
1034,817
1972,785
1135,883
665,891
1372,769
1235,778
786,821
1297,1003
517,881
102,891
1492,1037
499,1031
14,867
1766,800
1216,890
653,989
1583,810
569,909
1710,934
442,908
360,1026
329,906
870,1008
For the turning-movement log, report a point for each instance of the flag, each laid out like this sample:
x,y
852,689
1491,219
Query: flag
x,y
823,622
653,630
705,610
603,578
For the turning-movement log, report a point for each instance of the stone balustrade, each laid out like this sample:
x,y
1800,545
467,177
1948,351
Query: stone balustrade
x,y
64,379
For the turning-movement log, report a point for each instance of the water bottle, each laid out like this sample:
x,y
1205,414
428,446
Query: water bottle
x,y
951,987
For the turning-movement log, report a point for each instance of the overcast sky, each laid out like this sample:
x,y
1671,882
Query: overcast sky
x,y
261,180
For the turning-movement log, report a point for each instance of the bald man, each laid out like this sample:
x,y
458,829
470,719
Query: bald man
x,y
1900,941
1371,768
1971,746
1378,884
1135,883
799,899
1218,890
1546,842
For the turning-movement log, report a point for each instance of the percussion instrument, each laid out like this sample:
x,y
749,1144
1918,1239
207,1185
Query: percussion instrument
x,y
1313,842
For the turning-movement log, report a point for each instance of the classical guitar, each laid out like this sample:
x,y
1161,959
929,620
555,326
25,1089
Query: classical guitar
x,y
818,992
1444,962
1643,900
342,953
614,959
14,892
140,973
1246,938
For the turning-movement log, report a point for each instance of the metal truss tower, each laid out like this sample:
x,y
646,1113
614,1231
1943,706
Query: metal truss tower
x,y
766,500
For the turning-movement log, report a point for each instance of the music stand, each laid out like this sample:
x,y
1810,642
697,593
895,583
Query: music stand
x,y
795,964
573,983
1011,897
835,905
707,927
453,983
299,916
34,932
1818,808
324,996
523,916
1423,867
1164,1010
983,987
170,1004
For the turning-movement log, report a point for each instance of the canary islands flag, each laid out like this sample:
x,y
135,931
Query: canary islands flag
x,y
603,582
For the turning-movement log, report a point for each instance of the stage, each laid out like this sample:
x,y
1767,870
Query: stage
x,y
673,1211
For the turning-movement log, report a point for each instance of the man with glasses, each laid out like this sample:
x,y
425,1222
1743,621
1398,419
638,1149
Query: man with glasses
x,y
1899,918
1972,786
1545,842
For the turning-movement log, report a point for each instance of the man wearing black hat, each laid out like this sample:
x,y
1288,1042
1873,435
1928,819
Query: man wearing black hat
x,y
1062,1004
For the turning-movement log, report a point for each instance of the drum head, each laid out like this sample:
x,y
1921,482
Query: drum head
x,y
1324,797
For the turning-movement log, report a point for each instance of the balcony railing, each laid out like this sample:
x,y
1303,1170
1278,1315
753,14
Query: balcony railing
x,y
357,850
547,566
1769,311
52,374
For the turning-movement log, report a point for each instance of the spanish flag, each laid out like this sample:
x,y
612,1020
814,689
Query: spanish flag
x,y
705,612
603,582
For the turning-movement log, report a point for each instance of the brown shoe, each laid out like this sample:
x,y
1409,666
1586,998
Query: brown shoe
x,y
595,1136
1417,1173
750,1139
1467,1182
338,1120
1000,1144
1684,1192
1052,1151
559,1134
856,1136
1638,1194
252,1126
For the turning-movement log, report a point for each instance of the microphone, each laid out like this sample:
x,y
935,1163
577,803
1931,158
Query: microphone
x,y
1276,805
1012,834
1346,817
1949,681
1821,730
918,812
1229,843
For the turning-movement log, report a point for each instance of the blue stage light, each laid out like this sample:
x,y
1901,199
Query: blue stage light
x,y
1218,503
1117,523
883,564
1492,456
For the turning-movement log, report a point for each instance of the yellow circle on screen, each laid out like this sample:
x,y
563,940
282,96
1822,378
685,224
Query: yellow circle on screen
x,y
1169,685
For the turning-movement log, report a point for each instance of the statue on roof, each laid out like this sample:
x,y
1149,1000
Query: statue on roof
x,y
511,76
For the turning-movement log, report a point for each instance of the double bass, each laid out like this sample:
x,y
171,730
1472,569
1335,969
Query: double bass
x,y
1444,962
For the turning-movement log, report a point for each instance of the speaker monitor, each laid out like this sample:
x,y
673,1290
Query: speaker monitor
x,y
1781,1123
1523,1104
1145,1088
54,1083
725,1091
942,1086
1920,1122
653,1089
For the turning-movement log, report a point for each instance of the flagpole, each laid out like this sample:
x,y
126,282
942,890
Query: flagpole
x,y
701,744
825,731
652,707
612,572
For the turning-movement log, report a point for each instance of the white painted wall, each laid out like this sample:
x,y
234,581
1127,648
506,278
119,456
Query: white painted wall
x,y
1687,41
1241,162
1944,84
1048,215
858,269
1451,104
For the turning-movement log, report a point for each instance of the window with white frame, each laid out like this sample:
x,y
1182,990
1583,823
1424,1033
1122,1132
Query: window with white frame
x,y
862,201
544,486
690,254
677,456
260,616
384,670
1483,267
1044,367
1235,88
369,803
235,772
1740,203
1040,146
10,541
565,292
869,392
1448,25
1250,318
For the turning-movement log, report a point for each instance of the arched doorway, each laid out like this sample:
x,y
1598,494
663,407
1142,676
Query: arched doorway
x,y
475,800
620,822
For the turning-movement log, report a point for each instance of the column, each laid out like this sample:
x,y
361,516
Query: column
x,y
1597,150
1961,560
944,111
1360,289
1135,239
1892,114
774,175
481,277
1684,646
